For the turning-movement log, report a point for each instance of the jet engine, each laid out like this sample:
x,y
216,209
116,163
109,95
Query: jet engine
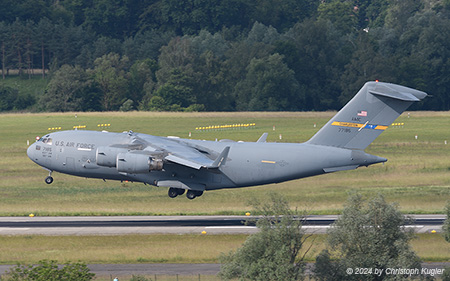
x,y
126,161
107,156
134,163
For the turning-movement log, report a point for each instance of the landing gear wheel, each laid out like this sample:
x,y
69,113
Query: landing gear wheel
x,y
48,180
173,192
190,194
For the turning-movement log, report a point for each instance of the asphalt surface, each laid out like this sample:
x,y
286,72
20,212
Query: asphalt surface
x,y
171,225
126,270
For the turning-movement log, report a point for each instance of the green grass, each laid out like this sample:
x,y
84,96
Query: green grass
x,y
417,175
158,248
163,248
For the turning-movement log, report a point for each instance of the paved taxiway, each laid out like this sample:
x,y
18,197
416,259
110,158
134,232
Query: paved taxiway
x,y
112,270
123,225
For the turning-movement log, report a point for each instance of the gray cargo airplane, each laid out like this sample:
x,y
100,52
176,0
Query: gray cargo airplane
x,y
196,165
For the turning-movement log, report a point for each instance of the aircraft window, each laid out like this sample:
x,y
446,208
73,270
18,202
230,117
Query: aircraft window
x,y
48,141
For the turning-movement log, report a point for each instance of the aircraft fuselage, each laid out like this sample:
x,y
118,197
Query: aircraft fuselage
x,y
196,165
247,164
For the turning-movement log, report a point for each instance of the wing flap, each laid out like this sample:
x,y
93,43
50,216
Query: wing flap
x,y
181,152
183,161
204,161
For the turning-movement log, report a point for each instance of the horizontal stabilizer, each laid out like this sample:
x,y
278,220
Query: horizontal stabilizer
x,y
396,92
397,95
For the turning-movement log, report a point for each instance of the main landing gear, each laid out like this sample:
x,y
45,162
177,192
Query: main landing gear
x,y
49,179
174,192
191,194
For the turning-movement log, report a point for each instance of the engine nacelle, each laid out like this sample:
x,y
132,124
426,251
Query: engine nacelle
x,y
106,156
156,164
134,163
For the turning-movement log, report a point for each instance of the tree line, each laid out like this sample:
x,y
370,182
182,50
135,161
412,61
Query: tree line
x,y
234,55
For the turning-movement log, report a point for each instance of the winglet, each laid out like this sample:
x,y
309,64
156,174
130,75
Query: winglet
x,y
221,159
263,138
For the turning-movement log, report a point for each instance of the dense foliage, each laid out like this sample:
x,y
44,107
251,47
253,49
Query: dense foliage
x,y
446,234
48,270
222,55
369,236
276,252
446,226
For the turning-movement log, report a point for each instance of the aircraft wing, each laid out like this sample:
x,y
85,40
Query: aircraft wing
x,y
183,154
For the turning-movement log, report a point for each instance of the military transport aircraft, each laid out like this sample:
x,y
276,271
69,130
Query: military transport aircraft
x,y
198,165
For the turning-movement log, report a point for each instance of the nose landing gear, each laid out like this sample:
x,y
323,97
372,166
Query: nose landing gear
x,y
49,179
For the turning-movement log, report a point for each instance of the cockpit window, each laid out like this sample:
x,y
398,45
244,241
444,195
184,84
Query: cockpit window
x,y
47,141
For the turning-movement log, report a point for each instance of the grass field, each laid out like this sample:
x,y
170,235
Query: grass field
x,y
162,248
417,175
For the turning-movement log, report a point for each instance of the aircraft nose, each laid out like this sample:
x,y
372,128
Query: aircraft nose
x,y
31,151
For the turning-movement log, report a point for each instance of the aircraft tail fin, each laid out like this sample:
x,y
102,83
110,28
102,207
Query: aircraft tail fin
x,y
367,115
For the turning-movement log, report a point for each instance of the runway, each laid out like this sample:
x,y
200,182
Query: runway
x,y
184,269
124,225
